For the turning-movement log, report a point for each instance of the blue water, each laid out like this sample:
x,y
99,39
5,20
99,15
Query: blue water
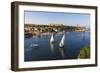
x,y
74,42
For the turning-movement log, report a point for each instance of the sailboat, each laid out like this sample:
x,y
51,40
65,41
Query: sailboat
x,y
61,44
52,39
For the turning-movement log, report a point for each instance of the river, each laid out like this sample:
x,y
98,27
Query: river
x,y
43,50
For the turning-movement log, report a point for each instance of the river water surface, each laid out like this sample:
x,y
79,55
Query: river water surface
x,y
43,50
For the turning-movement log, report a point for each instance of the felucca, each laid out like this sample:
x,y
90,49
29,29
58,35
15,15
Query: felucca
x,y
52,39
61,44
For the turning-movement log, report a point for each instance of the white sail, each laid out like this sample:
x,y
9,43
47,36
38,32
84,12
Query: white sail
x,y
52,39
61,44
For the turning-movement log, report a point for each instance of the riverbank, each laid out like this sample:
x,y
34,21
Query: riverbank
x,y
84,52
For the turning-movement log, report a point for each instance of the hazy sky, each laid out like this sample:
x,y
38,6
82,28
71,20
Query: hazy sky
x,y
71,19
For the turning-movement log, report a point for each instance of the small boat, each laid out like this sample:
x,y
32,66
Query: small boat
x,y
52,39
34,45
61,44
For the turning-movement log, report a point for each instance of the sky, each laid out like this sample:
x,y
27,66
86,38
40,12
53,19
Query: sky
x,y
70,19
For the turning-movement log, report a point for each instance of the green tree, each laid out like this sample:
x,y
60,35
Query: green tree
x,y
84,53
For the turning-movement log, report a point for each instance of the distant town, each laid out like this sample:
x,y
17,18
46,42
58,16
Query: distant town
x,y
46,29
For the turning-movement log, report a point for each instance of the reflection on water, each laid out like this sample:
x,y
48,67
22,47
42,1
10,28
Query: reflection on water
x,y
39,47
82,35
52,47
61,50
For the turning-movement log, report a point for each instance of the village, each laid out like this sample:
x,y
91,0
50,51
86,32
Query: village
x,y
47,29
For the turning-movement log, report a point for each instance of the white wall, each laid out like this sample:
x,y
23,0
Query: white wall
x,y
5,40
